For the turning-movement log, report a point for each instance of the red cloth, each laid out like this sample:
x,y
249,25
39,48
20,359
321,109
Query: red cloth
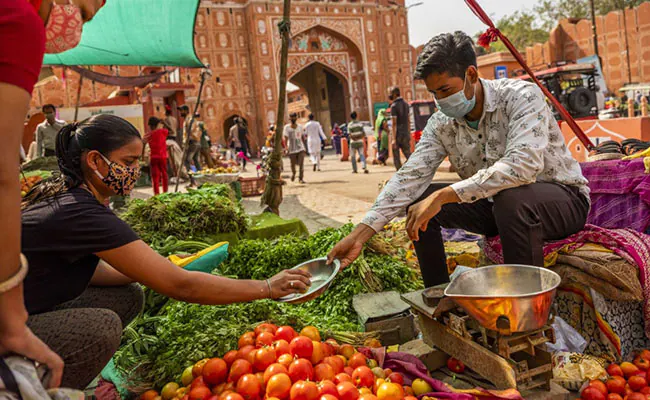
x,y
157,142
22,43
158,171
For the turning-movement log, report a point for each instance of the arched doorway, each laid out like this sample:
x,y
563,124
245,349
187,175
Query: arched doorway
x,y
327,93
227,124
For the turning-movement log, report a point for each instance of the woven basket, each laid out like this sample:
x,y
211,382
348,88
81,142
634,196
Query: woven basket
x,y
252,186
215,178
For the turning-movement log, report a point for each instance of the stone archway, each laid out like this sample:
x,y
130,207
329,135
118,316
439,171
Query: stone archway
x,y
228,122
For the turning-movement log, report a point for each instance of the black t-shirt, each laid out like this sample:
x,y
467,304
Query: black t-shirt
x,y
400,110
60,237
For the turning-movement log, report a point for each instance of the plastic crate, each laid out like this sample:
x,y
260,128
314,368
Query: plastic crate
x,y
252,186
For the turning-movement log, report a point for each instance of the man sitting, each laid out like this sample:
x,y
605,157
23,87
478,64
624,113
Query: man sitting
x,y
519,180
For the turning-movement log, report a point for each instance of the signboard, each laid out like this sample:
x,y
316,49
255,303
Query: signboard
x,y
500,72
131,113
600,79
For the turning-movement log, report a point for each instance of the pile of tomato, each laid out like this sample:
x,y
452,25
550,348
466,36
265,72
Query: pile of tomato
x,y
277,363
627,381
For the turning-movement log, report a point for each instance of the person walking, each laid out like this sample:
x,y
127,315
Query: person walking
x,y
171,124
315,137
382,140
233,138
401,135
192,138
336,138
156,138
355,130
46,132
206,145
239,136
295,147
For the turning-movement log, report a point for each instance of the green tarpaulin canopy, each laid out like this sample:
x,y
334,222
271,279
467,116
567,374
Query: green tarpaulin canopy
x,y
136,32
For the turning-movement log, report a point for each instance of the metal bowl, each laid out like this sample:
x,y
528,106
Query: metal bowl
x,y
506,298
322,276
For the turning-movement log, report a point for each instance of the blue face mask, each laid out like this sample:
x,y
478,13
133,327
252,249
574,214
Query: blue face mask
x,y
457,105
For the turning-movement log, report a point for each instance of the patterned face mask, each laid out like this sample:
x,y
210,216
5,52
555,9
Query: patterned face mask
x,y
63,30
120,179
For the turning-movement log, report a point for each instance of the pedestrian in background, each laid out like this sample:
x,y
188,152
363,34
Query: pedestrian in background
x,y
46,132
401,135
243,151
295,147
171,124
206,145
336,138
192,136
315,137
355,130
156,138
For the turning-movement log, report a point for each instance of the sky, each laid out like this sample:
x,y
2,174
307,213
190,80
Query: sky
x,y
438,16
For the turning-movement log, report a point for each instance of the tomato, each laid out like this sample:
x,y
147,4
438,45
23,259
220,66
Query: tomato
x,y
363,377
248,386
336,363
357,360
636,396
278,386
239,368
264,339
410,398
197,369
265,328
168,391
636,383
285,359
616,384
372,343
304,390
455,366
285,333
197,382
347,391
378,383
348,370
311,332
187,376
200,393
369,396
396,377
327,387
263,358
219,389
408,391
318,353
614,370
614,396
247,339
149,395
231,396
328,397
342,377
364,390
642,363
347,351
281,347
215,371
302,347
379,373
274,369
323,372
328,350
390,391
301,370
334,344
420,387
245,351
230,357
645,390
628,369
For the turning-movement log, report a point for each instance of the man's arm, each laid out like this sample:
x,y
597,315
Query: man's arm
x,y
523,159
320,132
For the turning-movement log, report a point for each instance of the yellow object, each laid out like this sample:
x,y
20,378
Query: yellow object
x,y
420,387
644,153
646,163
184,261
392,348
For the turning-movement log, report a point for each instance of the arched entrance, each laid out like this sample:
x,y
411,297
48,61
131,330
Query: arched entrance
x,y
228,123
327,91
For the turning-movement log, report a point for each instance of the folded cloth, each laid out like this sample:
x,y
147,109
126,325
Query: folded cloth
x,y
19,378
632,246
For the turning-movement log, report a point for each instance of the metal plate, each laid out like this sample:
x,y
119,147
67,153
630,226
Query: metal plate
x,y
322,276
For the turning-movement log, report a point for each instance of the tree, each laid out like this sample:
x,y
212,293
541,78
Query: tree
x,y
521,28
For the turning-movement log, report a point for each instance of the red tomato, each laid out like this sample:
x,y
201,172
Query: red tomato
x,y
396,377
239,368
311,332
245,351
347,391
614,396
357,360
455,366
197,369
591,393
215,371
247,339
278,386
304,390
285,333
348,370
302,347
642,363
347,351
600,385
200,393
363,377
213,397
274,369
370,396
301,370
198,382
264,339
616,384
336,363
327,387
635,396
265,328
248,386
230,357
340,378
263,358
285,359
318,352
614,370
281,347
323,372
328,397
636,383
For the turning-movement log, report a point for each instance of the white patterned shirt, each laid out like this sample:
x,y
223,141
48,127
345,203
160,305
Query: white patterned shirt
x,y
517,142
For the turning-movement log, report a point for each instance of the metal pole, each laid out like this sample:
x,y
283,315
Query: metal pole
x,y
627,45
76,107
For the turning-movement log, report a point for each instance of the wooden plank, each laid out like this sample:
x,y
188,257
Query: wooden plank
x,y
481,360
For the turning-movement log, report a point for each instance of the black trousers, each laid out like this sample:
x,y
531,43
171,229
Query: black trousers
x,y
524,217
403,142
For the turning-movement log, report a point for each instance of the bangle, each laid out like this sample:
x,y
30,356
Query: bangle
x,y
268,284
18,277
